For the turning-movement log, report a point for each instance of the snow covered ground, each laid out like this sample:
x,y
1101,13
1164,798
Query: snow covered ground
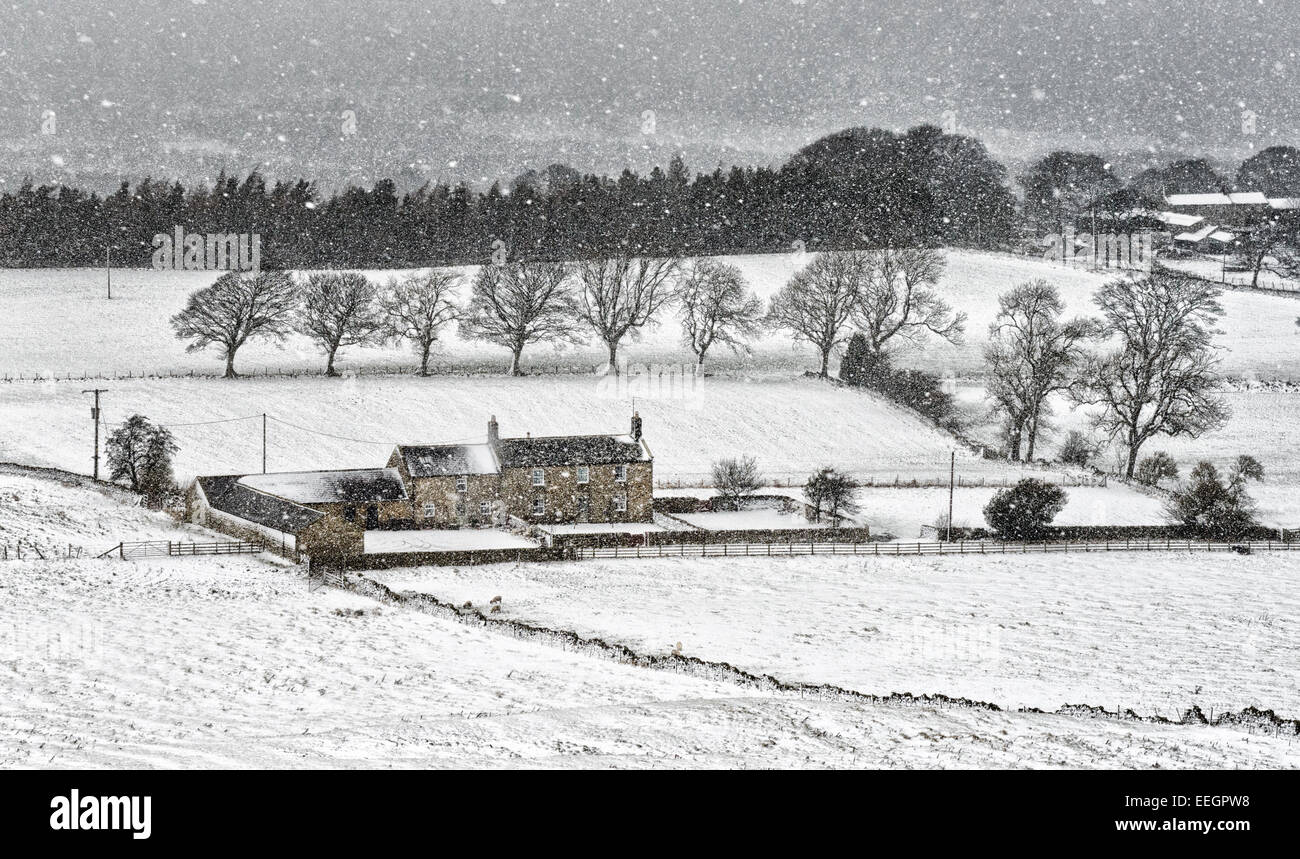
x,y
1262,423
602,528
231,662
432,540
1154,632
747,519
354,423
131,332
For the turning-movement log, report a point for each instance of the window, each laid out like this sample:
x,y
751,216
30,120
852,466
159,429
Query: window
x,y
539,477
620,473
460,509
462,484
584,474
584,505
430,511
350,514
539,506
620,503
484,508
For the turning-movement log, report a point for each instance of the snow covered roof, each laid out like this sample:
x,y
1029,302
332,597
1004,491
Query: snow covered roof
x,y
1237,198
357,485
1198,200
1177,219
570,450
226,494
1248,198
1197,236
1222,236
448,459
1284,202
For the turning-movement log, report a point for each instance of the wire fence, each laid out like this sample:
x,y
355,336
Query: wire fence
x,y
444,370
27,550
894,550
791,480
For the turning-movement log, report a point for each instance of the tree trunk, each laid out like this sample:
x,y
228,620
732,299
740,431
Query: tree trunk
x,y
1013,443
826,363
424,361
613,357
230,364
329,364
515,354
1132,459
1031,436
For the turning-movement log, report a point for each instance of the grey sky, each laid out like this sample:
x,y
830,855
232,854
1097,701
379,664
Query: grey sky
x,y
467,89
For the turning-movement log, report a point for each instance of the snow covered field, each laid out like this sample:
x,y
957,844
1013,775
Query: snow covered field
x,y
131,332
457,540
804,423
1262,423
1157,632
232,662
748,519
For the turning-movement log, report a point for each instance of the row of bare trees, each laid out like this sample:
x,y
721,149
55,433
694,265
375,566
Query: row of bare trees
x,y
888,295
1153,371
511,305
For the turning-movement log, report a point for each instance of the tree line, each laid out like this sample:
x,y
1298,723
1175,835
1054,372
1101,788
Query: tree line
x,y
857,188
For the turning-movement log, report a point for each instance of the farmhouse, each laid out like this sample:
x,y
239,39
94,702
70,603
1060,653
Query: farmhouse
x,y
542,480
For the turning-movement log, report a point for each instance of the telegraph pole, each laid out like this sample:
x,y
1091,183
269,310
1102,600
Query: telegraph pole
x,y
264,442
94,417
108,269
952,479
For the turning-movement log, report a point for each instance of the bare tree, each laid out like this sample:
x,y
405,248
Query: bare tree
x,y
622,294
418,307
1160,380
1032,354
818,301
236,308
717,307
898,298
340,309
736,479
518,303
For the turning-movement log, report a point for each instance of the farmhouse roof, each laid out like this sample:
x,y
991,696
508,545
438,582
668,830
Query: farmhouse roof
x,y
356,485
1178,219
435,460
1197,236
1284,202
1198,200
226,494
570,450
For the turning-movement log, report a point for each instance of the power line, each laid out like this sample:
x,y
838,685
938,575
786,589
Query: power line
x,y
206,423
330,435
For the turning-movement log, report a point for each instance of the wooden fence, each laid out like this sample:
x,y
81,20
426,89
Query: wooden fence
x,y
894,550
166,548
896,481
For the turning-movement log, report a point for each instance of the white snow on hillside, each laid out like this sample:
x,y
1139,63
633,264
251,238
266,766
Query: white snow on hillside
x,y
1155,632
791,426
70,327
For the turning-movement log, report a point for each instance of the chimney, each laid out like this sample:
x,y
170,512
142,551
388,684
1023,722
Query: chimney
x,y
636,427
494,434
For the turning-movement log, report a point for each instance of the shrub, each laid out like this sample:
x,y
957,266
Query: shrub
x,y
922,392
1213,507
1077,449
736,480
1024,511
1156,467
832,491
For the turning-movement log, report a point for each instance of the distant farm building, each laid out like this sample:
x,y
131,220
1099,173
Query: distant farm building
x,y
542,480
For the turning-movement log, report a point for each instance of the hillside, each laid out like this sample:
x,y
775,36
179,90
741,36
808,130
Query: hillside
x,y
791,426
208,662
69,327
